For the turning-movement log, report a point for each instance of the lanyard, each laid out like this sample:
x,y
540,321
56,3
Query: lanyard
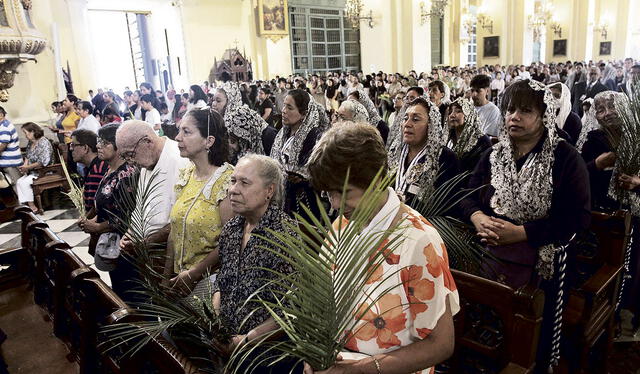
x,y
401,179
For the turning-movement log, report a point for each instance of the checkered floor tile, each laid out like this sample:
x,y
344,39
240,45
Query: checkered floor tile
x,y
63,223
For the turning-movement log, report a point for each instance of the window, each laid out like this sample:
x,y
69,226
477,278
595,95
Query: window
x,y
472,52
322,41
437,46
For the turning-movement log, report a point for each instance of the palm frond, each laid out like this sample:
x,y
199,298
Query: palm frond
x,y
465,251
625,142
163,309
76,191
331,266
628,147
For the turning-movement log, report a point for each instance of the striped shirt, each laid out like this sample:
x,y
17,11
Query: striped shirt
x,y
11,156
94,173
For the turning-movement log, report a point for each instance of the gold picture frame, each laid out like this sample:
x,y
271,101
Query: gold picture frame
x,y
273,19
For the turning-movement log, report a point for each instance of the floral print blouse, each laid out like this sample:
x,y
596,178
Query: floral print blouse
x,y
417,271
195,217
110,196
241,274
40,152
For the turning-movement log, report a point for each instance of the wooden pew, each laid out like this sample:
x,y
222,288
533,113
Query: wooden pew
x,y
497,329
588,320
101,307
67,321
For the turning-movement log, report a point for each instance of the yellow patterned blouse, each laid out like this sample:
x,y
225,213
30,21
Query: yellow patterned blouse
x,y
195,217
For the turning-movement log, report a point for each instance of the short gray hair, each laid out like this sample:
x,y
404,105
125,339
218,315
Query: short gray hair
x,y
271,173
357,110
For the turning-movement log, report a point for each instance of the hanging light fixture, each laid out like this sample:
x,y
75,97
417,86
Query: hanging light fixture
x,y
434,8
542,16
353,12
19,41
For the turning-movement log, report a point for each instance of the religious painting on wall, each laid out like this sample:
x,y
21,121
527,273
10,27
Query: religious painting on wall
x,y
605,48
491,46
274,23
560,47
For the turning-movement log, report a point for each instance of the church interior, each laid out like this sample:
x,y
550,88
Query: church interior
x,y
319,186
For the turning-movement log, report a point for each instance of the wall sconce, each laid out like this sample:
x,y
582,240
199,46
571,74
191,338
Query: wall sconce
x,y
603,29
557,29
485,22
436,8
353,12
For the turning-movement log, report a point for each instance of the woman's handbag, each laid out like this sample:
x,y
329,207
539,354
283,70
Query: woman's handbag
x,y
107,251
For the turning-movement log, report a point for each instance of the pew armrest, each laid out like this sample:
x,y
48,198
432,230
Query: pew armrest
x,y
600,281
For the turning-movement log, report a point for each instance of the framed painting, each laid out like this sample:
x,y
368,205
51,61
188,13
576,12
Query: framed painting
x,y
605,48
560,47
273,19
491,46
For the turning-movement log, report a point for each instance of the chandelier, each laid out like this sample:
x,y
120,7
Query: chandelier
x,y
542,16
436,9
353,12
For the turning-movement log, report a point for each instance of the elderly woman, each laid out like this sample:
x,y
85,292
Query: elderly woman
x,y
423,162
532,189
39,152
247,130
351,110
110,208
612,189
599,155
466,139
256,193
374,117
302,126
202,206
421,335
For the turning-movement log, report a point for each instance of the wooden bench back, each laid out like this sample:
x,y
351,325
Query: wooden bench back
x,y
103,307
498,327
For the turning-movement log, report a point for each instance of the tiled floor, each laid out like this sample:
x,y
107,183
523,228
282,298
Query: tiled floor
x,y
63,223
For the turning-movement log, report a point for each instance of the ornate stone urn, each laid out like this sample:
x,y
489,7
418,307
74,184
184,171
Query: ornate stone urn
x,y
19,41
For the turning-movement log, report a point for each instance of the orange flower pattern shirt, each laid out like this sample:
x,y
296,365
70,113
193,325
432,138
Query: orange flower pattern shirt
x,y
418,271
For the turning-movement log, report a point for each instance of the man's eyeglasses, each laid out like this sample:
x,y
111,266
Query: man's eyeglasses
x,y
130,155
72,145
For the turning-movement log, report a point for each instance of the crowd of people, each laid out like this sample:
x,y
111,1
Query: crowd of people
x,y
235,162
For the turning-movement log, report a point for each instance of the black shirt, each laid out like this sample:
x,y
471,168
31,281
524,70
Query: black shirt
x,y
448,168
573,126
262,108
570,210
244,271
595,145
469,160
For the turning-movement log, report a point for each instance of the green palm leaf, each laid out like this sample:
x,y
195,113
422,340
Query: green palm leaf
x,y
165,309
465,251
330,268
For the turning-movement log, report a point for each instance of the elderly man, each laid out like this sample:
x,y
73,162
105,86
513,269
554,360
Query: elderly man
x,y
160,163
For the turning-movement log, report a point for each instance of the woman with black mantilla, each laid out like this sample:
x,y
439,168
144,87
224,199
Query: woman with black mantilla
x,y
531,196
532,190
466,139
303,124
423,162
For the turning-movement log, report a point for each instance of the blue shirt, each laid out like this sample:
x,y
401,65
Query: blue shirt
x,y
11,156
